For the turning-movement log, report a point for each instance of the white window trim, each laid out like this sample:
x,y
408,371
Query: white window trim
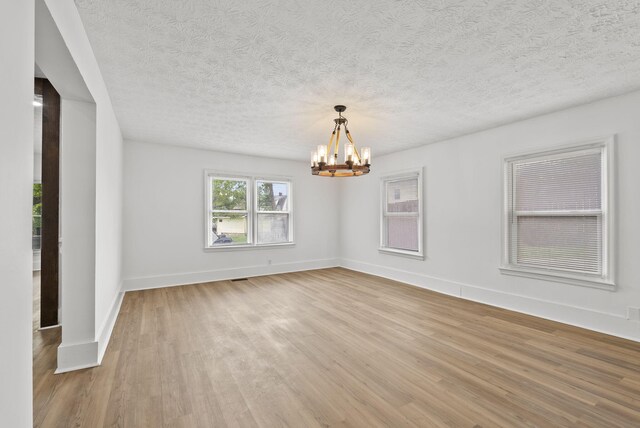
x,y
408,174
283,180
252,211
606,281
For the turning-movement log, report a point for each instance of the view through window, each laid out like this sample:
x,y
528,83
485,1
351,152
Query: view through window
x,y
247,211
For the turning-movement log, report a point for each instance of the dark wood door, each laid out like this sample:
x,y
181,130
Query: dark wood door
x,y
50,201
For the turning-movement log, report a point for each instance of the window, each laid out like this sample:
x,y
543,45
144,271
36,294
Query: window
x,y
401,214
247,212
229,211
557,215
36,223
273,211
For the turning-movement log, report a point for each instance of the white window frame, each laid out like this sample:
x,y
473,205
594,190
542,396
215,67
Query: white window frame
x,y
252,210
404,175
605,280
209,210
289,208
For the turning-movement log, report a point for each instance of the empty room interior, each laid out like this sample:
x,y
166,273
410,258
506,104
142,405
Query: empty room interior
x,y
366,213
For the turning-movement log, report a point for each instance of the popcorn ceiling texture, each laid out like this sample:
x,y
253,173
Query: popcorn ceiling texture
x,y
261,77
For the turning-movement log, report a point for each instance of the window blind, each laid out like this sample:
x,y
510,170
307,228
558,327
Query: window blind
x,y
401,215
556,212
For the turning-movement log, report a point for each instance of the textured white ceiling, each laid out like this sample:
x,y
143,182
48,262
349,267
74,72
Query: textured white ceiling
x,y
261,77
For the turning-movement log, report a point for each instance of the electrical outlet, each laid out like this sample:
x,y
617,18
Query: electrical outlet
x,y
633,314
269,261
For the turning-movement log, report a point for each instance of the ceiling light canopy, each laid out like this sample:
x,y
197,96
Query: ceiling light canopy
x,y
324,160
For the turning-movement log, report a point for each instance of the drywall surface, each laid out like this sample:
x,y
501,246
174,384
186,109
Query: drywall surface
x,y
109,196
463,204
78,224
16,181
106,177
37,168
164,230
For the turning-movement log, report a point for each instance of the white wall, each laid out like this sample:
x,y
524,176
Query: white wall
x,y
72,68
37,167
164,218
16,180
462,191
109,198
78,225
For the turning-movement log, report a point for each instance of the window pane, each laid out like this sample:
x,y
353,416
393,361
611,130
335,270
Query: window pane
x,y
571,183
273,196
402,196
560,242
228,229
228,194
402,233
36,228
273,228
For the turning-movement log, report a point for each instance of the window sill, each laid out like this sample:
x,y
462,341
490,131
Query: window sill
x,y
402,253
553,276
248,247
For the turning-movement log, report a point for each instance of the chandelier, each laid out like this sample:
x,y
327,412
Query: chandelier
x,y
324,160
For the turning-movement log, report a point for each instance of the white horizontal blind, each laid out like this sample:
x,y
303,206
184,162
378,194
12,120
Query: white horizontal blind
x,y
563,242
556,212
401,214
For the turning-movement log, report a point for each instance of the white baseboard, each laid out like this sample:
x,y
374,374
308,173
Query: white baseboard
x,y
77,356
613,324
143,283
109,323
85,355
49,327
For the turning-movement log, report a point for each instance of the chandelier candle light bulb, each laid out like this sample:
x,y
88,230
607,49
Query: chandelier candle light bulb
x,y
366,155
322,153
348,153
324,161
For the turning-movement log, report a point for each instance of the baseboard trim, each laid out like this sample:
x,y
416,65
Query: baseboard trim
x,y
77,356
73,369
49,327
602,322
160,281
109,323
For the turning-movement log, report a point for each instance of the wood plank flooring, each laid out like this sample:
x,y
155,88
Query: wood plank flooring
x,y
337,348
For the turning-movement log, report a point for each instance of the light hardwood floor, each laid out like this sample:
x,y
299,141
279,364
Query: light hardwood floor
x,y
337,348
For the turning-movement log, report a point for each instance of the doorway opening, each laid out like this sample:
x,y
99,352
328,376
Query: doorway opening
x,y
46,203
